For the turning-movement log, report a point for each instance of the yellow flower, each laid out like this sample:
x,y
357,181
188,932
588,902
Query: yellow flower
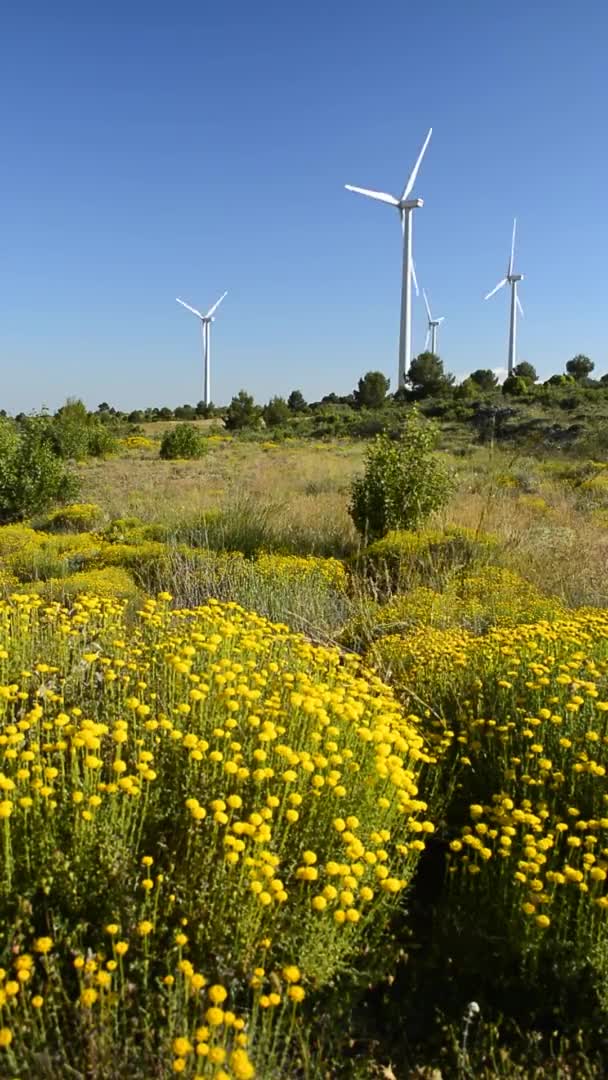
x,y
6,1037
144,928
182,1047
121,947
214,1016
241,1065
296,993
112,929
292,973
37,1001
43,944
217,994
88,997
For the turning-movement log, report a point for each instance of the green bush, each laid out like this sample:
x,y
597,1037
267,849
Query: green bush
x,y
32,475
183,441
403,482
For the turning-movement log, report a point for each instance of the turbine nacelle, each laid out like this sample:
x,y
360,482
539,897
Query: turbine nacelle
x,y
515,277
411,204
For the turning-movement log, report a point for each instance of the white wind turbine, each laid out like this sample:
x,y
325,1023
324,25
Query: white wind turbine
x,y
206,321
434,324
404,205
512,280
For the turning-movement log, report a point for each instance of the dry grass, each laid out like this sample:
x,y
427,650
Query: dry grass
x,y
299,491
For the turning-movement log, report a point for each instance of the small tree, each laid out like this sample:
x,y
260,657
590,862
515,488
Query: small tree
x,y
403,482
33,476
242,412
183,441
580,366
427,377
372,390
515,385
484,378
185,412
276,412
525,371
297,402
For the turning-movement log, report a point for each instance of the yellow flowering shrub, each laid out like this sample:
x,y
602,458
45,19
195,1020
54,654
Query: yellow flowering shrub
x,y
137,442
75,518
402,558
45,555
527,709
228,798
299,568
106,583
490,596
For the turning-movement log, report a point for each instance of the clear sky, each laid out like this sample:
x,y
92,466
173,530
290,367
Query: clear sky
x,y
154,150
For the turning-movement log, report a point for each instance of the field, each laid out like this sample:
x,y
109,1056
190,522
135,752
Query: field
x,y
280,803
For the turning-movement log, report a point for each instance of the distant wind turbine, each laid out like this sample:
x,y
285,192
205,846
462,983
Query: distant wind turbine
x,y
512,280
206,321
404,205
431,334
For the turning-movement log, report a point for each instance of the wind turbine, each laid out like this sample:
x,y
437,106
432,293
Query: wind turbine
x,y
404,205
206,321
431,334
512,280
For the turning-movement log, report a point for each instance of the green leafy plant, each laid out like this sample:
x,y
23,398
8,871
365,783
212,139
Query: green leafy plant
x,y
184,441
32,475
403,482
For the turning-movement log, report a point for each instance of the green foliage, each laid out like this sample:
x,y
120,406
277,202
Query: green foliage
x,y
242,412
427,377
276,412
515,386
32,475
484,378
525,371
372,390
183,441
580,367
78,434
297,402
403,482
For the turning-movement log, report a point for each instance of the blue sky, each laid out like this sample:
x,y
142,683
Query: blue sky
x,y
160,150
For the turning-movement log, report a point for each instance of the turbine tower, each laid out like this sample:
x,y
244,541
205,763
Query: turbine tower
x,y
206,321
512,280
431,334
405,206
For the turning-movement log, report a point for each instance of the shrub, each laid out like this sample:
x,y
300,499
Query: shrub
x,y
75,518
403,559
182,441
159,848
32,475
113,583
403,482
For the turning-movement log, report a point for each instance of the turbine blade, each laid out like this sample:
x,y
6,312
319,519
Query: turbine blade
x,y
192,309
380,195
518,302
414,279
414,173
426,304
442,319
512,260
499,286
216,305
427,340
